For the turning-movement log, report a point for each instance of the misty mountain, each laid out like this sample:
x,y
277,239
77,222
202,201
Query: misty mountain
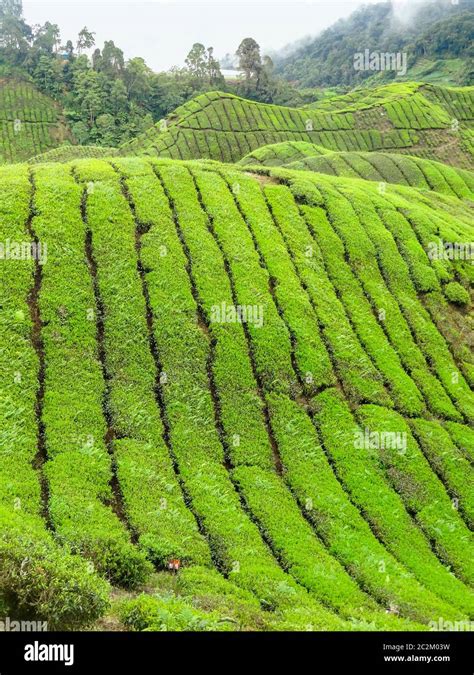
x,y
432,31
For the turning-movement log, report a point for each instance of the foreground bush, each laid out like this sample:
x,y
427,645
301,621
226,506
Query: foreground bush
x,y
39,580
155,613
456,293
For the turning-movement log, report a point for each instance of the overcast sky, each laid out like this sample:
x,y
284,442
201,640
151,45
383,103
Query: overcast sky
x,y
163,32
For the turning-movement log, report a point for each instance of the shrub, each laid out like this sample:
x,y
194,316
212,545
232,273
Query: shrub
x,y
154,613
456,293
40,581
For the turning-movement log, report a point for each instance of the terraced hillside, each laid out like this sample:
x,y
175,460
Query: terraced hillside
x,y
281,154
30,122
267,378
426,121
374,166
67,153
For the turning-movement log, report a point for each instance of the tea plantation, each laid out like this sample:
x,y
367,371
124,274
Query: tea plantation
x,y
30,122
424,120
240,397
375,166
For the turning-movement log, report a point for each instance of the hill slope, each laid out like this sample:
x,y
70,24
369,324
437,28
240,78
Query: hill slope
x,y
426,121
203,343
436,37
30,122
66,153
280,154
374,166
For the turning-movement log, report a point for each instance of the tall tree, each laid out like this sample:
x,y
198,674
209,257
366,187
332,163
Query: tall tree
x,y
68,48
12,8
85,40
250,61
213,69
46,38
46,75
265,85
96,59
15,34
113,62
118,97
89,95
137,78
196,61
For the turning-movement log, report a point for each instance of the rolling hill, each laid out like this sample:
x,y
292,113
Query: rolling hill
x,y
422,120
374,166
66,153
262,378
30,122
432,122
280,154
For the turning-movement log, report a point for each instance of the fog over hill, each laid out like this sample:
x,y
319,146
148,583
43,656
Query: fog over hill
x,y
434,30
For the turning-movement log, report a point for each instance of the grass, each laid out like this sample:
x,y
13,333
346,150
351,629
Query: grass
x,y
136,434
77,467
66,153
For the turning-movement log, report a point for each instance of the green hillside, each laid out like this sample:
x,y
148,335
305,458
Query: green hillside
x,y
391,168
432,122
30,122
374,166
66,153
422,120
442,71
435,36
266,376
280,154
